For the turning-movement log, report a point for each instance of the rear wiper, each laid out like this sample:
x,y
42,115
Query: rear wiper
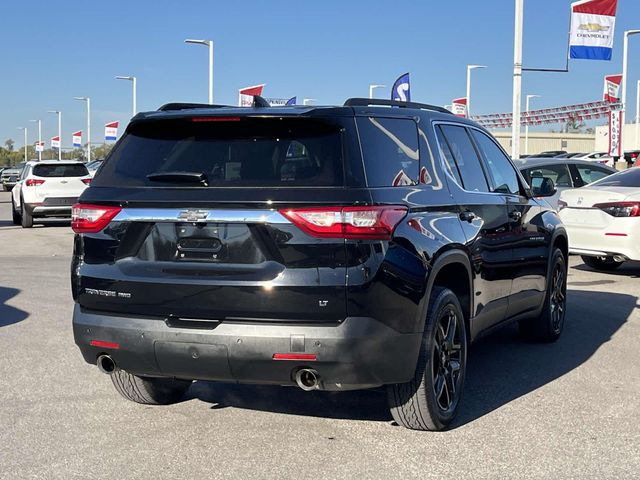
x,y
179,177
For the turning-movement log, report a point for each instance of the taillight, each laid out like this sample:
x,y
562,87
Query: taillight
x,y
87,218
620,209
374,223
561,205
86,181
32,182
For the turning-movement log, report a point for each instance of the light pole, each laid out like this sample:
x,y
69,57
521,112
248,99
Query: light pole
x,y
208,43
372,87
59,113
526,128
517,79
39,138
25,142
625,61
133,81
88,100
469,68
305,101
637,110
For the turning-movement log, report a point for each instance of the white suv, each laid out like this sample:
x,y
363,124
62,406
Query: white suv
x,y
48,189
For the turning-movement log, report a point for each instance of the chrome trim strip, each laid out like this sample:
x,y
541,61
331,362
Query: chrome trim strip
x,y
200,215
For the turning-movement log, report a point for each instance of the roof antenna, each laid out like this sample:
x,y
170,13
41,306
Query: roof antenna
x,y
259,102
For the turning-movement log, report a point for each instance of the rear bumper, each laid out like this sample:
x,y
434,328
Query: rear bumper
x,y
358,353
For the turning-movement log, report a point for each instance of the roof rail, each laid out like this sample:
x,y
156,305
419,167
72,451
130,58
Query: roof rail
x,y
367,102
259,102
186,106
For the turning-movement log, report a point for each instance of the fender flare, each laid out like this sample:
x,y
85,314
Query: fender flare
x,y
455,256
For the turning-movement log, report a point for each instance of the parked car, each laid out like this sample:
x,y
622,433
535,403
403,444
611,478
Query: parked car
x,y
332,248
599,157
631,157
565,172
9,176
47,189
603,220
93,166
549,154
569,155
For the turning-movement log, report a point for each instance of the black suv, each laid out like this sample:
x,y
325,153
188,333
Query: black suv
x,y
332,248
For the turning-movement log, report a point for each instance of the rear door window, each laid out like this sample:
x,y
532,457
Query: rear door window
x,y
466,158
588,174
230,152
60,170
390,151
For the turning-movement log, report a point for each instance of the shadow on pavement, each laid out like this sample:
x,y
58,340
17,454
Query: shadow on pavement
x,y
8,314
502,367
627,269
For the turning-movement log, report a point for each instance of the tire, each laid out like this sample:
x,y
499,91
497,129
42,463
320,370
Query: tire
x,y
607,264
149,391
25,217
548,326
17,219
416,404
6,188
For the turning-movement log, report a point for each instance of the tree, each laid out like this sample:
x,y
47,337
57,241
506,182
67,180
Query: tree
x,y
9,143
573,125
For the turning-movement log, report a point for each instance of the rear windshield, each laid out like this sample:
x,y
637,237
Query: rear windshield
x,y
261,152
68,170
627,178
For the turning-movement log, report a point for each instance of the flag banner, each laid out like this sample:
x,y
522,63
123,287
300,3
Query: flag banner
x,y
592,26
612,88
277,102
615,133
39,146
401,89
292,101
55,142
111,131
459,107
584,111
77,139
245,95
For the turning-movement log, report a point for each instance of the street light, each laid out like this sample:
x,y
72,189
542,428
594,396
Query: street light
x,y
133,81
305,101
39,138
88,100
526,129
469,68
637,111
59,113
372,87
517,79
25,142
208,43
625,61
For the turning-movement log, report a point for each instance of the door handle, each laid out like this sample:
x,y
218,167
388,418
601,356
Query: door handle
x,y
515,214
467,216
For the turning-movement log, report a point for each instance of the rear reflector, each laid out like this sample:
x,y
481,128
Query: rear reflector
x,y
373,223
100,343
86,218
310,357
616,234
32,182
215,119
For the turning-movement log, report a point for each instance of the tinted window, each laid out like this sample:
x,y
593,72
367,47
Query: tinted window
x,y
390,151
558,173
627,178
466,158
589,174
449,161
60,170
502,173
273,152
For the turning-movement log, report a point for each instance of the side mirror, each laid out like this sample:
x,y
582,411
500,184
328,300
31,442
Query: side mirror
x,y
543,187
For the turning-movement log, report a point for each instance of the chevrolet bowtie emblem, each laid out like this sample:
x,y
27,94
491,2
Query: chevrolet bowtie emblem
x,y
193,215
593,27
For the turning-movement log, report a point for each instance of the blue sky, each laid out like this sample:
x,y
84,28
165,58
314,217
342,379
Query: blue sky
x,y
327,50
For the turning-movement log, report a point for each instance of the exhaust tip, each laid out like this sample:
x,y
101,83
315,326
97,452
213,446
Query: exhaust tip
x,y
106,364
307,379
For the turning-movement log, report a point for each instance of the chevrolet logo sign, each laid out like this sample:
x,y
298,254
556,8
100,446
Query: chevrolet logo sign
x,y
593,27
193,215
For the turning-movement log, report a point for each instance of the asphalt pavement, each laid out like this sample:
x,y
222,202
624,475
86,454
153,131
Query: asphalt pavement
x,y
565,410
